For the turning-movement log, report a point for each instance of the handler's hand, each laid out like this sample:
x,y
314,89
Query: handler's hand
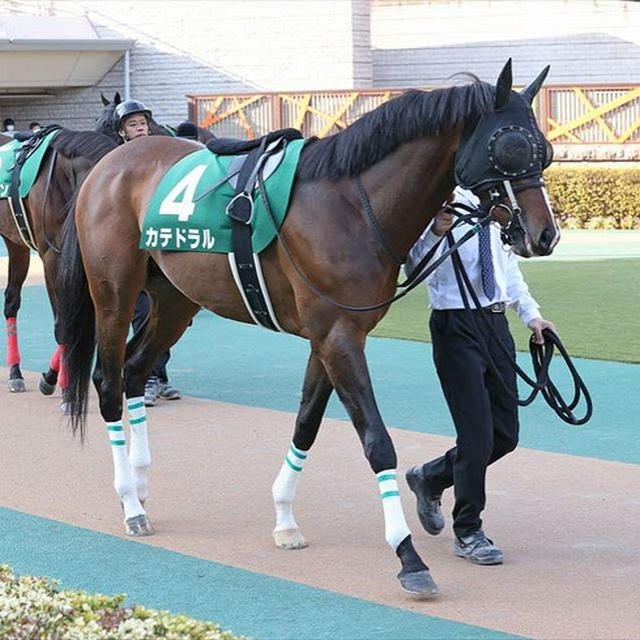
x,y
442,222
537,325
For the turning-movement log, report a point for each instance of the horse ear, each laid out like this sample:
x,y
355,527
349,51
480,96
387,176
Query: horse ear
x,y
503,86
105,101
117,99
530,92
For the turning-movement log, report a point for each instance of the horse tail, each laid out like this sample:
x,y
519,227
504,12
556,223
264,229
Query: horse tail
x,y
76,322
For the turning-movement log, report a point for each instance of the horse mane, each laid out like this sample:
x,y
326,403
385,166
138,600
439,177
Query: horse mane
x,y
83,144
412,115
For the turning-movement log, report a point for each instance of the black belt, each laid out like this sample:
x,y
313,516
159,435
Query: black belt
x,y
496,307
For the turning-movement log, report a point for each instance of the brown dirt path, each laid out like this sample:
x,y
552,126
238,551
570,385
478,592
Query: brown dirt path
x,y
568,526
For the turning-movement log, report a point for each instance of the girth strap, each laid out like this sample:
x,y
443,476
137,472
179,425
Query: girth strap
x,y
17,206
244,263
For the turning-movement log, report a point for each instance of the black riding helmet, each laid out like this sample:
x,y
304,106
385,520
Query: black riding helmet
x,y
127,108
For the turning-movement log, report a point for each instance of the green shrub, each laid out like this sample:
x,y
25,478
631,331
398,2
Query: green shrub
x,y
588,197
35,608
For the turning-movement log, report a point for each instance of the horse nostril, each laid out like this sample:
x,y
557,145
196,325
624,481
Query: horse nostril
x,y
546,238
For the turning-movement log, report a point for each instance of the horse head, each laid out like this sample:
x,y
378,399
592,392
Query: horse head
x,y
104,122
501,158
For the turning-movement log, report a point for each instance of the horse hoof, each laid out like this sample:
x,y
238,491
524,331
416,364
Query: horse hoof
x,y
16,385
65,408
289,539
46,389
139,525
418,584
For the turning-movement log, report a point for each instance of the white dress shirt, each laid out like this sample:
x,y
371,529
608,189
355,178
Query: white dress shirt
x,y
442,285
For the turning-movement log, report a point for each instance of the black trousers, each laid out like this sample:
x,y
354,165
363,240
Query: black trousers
x,y
484,414
140,314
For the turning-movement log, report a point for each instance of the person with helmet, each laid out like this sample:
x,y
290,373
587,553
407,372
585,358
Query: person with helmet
x,y
130,121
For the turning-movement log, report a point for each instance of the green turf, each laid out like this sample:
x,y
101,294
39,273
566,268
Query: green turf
x,y
595,305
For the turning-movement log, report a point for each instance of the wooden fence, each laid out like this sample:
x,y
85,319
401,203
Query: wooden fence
x,y
568,115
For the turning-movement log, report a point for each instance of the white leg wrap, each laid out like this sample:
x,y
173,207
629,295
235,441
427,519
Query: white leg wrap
x,y
123,480
395,526
284,488
139,455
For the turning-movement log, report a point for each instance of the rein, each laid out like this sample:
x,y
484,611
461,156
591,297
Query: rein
x,y
368,209
416,277
541,356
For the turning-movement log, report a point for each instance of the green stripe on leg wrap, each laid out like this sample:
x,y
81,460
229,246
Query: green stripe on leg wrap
x,y
297,453
293,466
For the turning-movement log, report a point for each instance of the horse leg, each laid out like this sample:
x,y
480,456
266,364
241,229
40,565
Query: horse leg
x,y
114,302
19,258
342,353
170,315
54,375
315,394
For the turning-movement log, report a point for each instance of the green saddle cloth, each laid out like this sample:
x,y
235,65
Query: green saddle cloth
x,y
30,168
187,213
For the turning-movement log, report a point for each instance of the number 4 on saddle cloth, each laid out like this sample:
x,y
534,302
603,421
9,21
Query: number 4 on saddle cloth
x,y
188,209
209,202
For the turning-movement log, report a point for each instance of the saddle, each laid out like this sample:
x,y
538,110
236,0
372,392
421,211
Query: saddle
x,y
29,147
234,147
264,152
245,264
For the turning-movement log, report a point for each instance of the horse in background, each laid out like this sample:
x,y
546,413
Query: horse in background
x,y
395,165
104,123
67,161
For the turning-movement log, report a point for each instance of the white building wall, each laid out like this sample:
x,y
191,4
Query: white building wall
x,y
216,46
422,43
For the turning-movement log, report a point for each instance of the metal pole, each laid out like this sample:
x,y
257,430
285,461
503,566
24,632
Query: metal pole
x,y
127,75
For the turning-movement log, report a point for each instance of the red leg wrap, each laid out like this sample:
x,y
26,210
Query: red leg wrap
x,y
63,379
54,363
13,352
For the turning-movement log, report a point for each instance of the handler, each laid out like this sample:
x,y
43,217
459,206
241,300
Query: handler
x,y
484,414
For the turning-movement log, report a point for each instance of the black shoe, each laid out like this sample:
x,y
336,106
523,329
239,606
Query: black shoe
x,y
477,548
428,504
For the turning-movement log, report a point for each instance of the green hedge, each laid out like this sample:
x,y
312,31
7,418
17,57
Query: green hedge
x,y
33,608
588,197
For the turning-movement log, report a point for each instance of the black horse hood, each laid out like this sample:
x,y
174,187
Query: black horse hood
x,y
506,143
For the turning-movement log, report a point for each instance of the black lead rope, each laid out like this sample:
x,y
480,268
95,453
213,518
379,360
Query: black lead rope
x,y
541,356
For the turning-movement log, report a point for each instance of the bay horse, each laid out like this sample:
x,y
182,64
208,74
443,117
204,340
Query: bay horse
x,y
66,162
407,154
104,122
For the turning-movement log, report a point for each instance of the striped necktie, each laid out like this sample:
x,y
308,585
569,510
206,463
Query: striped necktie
x,y
486,263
